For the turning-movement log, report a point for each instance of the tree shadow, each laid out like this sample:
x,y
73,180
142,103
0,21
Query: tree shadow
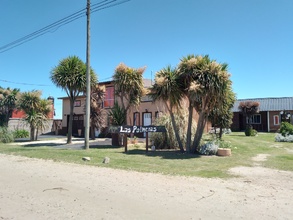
x,y
164,154
95,146
43,145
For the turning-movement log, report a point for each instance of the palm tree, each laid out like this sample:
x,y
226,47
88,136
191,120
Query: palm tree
x,y
36,110
222,115
96,110
42,117
129,89
212,79
204,82
70,75
8,98
187,68
129,86
168,88
248,109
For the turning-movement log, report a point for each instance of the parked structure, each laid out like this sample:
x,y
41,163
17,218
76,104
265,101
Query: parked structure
x,y
272,112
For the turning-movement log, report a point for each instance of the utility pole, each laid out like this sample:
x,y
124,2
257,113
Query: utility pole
x,y
88,79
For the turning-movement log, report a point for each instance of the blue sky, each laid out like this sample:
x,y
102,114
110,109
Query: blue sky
x,y
255,37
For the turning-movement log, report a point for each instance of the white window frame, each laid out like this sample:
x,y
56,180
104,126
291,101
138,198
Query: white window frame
x,y
253,119
276,116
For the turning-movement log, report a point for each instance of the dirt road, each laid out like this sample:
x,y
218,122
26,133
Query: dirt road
x,y
39,189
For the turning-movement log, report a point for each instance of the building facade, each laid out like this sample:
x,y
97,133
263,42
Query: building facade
x,y
142,115
272,111
16,121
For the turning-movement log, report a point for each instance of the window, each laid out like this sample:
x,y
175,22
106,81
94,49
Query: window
x,y
77,103
158,114
109,97
276,120
255,119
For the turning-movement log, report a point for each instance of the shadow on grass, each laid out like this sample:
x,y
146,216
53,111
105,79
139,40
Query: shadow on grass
x,y
43,145
164,154
104,147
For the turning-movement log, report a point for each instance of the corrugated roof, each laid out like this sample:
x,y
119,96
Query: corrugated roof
x,y
269,104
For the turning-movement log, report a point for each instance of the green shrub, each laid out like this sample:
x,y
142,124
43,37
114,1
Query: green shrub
x,y
286,129
6,136
249,131
168,140
281,138
208,148
21,133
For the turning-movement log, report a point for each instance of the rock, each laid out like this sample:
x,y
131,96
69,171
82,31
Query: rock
x,y
86,158
106,160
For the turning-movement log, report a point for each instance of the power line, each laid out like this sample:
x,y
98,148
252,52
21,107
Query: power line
x,y
66,20
27,84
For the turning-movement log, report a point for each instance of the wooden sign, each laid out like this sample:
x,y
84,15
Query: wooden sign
x,y
126,129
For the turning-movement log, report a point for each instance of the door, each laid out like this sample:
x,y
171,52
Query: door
x,y
147,120
77,124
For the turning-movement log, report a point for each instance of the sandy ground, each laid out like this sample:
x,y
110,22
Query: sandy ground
x,y
39,189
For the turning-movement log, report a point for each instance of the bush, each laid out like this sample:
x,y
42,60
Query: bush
x,y
209,148
286,129
281,138
224,144
6,136
168,140
249,131
21,133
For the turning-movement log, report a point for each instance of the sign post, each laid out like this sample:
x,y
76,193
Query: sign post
x,y
126,129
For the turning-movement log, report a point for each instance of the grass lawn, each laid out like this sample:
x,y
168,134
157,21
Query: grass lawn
x,y
171,162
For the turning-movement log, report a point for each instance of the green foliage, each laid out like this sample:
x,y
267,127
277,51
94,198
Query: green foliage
x,y
224,144
96,110
117,115
168,87
8,99
249,131
281,138
70,75
249,108
20,133
286,129
207,85
36,110
208,148
128,85
168,140
221,116
6,136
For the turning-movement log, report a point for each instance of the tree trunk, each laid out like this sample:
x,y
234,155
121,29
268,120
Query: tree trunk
x,y
176,132
69,133
7,116
221,133
199,131
92,129
37,133
189,127
32,133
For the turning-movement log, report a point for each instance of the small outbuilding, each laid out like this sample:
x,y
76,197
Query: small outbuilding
x,y
272,111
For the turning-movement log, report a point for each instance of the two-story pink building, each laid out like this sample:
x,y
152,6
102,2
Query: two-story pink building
x,y
143,115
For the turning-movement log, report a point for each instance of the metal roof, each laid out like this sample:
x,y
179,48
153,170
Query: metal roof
x,y
269,104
